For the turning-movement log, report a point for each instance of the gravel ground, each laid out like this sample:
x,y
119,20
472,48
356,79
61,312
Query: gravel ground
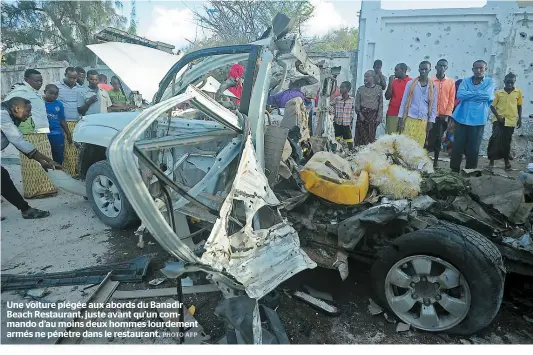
x,y
72,237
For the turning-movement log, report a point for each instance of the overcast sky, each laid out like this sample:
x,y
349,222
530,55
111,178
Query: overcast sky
x,y
173,22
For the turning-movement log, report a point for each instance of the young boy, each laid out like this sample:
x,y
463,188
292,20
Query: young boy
x,y
56,120
507,110
344,108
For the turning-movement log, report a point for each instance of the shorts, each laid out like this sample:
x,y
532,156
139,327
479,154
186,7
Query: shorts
x,y
344,132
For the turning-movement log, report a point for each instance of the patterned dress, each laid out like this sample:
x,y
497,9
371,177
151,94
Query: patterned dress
x,y
369,103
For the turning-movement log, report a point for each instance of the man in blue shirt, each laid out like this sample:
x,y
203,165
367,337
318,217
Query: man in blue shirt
x,y
475,95
56,120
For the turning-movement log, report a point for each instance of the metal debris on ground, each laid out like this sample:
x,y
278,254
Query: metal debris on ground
x,y
167,314
373,308
97,301
465,342
523,243
125,271
318,294
528,319
160,292
38,293
173,269
317,303
157,281
506,196
402,327
389,319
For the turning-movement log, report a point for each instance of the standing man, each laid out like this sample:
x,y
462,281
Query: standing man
x,y
382,81
445,103
419,106
95,99
394,94
103,82
475,95
14,111
68,95
34,180
507,110
118,98
344,107
81,76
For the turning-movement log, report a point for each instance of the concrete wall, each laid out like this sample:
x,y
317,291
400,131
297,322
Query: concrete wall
x,y
501,33
11,74
51,72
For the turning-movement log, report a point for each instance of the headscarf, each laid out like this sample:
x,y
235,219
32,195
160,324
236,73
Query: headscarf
x,y
236,71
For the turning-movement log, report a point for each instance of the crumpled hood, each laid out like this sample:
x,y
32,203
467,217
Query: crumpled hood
x,y
140,68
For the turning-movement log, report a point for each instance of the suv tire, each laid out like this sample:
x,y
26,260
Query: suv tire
x,y
106,197
474,260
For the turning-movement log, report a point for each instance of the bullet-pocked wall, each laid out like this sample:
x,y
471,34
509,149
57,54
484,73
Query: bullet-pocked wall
x,y
501,33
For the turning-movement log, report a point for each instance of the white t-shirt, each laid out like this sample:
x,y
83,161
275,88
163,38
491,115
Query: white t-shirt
x,y
38,107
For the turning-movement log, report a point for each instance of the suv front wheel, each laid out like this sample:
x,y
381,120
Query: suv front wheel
x,y
445,278
107,198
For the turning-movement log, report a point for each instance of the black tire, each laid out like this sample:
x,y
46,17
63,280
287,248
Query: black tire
x,y
475,256
127,215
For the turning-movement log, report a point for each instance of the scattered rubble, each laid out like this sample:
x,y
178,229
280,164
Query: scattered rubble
x,y
318,294
390,319
157,281
402,327
317,303
38,292
373,308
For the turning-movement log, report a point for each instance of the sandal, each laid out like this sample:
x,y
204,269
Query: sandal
x,y
508,167
34,213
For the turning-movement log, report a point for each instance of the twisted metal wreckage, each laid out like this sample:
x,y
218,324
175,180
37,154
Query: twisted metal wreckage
x,y
244,256
214,170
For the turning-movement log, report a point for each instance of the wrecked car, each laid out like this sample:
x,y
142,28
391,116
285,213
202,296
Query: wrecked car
x,y
170,169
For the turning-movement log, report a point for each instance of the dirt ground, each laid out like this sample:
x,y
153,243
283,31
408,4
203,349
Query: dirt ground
x,y
73,238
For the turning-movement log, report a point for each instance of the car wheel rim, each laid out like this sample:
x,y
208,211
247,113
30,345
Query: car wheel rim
x,y
106,196
427,292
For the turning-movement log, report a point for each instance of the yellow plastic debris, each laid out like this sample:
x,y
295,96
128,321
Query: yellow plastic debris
x,y
192,310
323,181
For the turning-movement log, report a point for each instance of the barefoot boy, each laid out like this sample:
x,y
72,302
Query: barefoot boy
x,y
56,120
507,110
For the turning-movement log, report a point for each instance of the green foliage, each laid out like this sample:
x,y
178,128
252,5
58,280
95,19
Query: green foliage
x,y
58,25
343,39
133,19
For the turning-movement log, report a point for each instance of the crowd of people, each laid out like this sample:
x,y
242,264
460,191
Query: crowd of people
x,y
433,111
40,124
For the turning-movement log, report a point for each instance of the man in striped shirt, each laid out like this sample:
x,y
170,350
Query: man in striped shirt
x,y
68,94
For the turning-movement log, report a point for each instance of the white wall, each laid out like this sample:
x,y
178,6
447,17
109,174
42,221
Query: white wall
x,y
51,72
501,33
